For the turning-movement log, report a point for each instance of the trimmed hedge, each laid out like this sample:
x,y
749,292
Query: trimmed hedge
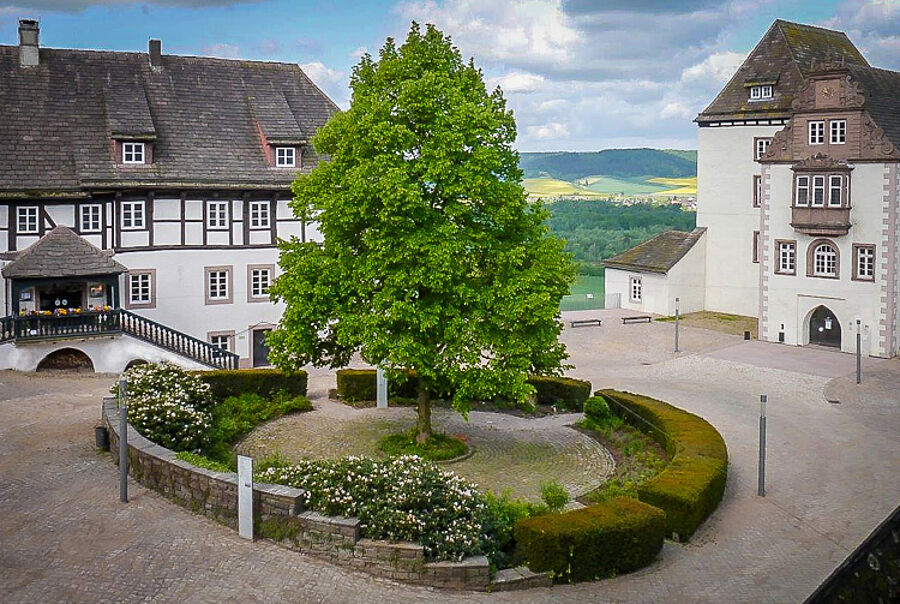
x,y
568,393
264,382
359,385
617,536
691,486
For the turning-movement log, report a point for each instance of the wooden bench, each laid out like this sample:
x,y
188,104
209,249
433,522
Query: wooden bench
x,y
637,319
585,322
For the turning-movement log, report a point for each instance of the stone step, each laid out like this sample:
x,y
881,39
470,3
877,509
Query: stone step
x,y
521,577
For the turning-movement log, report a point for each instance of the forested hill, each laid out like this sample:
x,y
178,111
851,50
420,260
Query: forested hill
x,y
618,163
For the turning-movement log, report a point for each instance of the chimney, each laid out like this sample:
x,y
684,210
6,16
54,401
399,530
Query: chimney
x,y
155,52
29,55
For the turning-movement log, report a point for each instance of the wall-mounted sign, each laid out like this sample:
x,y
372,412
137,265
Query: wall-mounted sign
x,y
97,291
25,295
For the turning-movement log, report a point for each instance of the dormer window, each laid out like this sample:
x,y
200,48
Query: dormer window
x,y
133,153
285,157
761,93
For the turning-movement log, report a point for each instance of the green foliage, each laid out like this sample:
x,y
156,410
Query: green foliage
x,y
264,382
616,536
437,447
432,258
203,462
620,163
554,495
597,409
359,385
503,514
597,230
691,486
167,405
564,392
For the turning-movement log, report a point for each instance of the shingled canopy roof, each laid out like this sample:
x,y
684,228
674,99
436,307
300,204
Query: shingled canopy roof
x,y
61,253
207,117
785,57
657,255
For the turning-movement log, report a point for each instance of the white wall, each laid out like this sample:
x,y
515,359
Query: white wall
x,y
792,298
687,280
655,290
725,169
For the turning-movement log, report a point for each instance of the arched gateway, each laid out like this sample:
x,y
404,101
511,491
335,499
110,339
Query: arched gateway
x,y
824,328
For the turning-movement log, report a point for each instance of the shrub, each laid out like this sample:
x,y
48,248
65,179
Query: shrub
x,y
503,514
168,406
438,447
401,499
564,392
264,382
616,536
597,409
690,487
203,462
554,495
359,385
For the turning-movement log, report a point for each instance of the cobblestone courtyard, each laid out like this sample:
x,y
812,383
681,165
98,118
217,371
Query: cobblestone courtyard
x,y
834,473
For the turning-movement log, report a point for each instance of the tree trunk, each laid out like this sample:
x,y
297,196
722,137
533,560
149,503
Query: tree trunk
x,y
424,409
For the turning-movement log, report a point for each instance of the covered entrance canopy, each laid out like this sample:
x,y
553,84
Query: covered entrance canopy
x,y
63,271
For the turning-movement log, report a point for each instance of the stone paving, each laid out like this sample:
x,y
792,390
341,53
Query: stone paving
x,y
834,473
508,453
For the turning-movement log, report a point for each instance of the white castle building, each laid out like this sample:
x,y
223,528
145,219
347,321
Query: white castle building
x,y
142,196
798,201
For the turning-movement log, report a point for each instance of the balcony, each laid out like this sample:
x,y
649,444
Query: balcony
x,y
821,222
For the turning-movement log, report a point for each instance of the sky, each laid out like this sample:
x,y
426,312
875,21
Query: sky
x,y
580,75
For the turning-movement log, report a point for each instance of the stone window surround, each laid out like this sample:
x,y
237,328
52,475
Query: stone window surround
x,y
229,270
810,259
845,193
778,243
856,248
819,131
127,297
756,247
757,190
226,333
250,269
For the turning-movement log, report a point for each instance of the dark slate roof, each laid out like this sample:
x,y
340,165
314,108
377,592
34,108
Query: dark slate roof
x,y
208,116
787,54
658,254
61,253
882,89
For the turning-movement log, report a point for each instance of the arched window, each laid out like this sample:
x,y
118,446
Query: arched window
x,y
823,259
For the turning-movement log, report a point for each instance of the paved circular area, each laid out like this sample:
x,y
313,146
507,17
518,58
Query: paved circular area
x,y
509,453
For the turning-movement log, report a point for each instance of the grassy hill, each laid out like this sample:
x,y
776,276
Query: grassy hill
x,y
610,163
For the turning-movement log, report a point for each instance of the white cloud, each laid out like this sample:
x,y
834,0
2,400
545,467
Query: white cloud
x,y
334,82
358,52
553,130
718,67
517,81
874,26
221,50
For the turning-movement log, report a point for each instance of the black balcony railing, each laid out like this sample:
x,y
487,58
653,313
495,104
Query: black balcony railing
x,y
115,321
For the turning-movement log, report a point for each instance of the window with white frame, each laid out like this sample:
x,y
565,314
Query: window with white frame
x,y
825,260
761,146
816,133
132,153
802,196
259,215
221,341
838,131
761,93
636,289
140,288
217,285
217,214
89,219
835,190
285,157
818,191
787,257
133,215
865,262
27,219
260,279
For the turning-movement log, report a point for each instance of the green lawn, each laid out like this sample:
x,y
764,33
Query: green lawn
x,y
615,186
578,299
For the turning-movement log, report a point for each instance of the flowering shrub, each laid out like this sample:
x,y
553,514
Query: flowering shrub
x,y
401,499
168,405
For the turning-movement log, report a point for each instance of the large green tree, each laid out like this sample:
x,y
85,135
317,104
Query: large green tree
x,y
433,260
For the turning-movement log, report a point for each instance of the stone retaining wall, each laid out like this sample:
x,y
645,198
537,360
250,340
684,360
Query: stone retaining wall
x,y
281,517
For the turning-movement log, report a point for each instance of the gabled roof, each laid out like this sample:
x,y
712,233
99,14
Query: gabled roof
x,y
658,254
882,89
208,117
61,253
787,54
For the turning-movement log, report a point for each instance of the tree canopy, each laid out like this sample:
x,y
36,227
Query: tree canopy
x,y
432,259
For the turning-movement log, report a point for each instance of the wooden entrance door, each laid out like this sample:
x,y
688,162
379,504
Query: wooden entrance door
x,y
260,350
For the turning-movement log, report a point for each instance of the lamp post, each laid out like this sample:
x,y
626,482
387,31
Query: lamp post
x,y
761,487
123,443
858,352
676,324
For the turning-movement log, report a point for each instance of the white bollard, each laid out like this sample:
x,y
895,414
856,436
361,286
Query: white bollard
x,y
381,388
245,496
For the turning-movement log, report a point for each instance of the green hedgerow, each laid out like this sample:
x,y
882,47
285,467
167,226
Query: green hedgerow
x,y
554,495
